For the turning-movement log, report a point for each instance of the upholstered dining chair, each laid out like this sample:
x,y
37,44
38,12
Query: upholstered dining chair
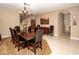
x,y
37,42
18,40
17,28
31,29
51,30
12,36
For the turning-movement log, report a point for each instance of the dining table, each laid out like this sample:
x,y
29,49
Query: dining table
x,y
27,35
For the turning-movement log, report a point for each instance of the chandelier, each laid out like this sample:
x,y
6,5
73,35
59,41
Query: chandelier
x,y
25,12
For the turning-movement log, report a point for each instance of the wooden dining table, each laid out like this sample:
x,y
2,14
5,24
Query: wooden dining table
x,y
27,36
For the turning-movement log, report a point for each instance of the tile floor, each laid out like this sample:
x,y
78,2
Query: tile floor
x,y
62,45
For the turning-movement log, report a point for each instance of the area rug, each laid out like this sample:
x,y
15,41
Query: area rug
x,y
7,48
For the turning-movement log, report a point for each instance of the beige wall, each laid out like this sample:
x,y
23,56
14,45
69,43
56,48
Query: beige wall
x,y
53,17
74,28
8,18
60,23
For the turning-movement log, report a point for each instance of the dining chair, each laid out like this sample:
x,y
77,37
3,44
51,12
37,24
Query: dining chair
x,y
18,40
38,27
51,30
12,36
17,28
0,37
37,42
32,29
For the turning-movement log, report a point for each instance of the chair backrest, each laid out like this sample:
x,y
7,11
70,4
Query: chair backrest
x,y
29,29
11,31
15,35
17,28
39,34
38,27
51,28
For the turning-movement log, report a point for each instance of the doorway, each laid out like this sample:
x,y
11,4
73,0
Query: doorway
x,y
64,23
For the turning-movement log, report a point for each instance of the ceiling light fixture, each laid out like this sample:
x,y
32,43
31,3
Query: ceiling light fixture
x,y
25,12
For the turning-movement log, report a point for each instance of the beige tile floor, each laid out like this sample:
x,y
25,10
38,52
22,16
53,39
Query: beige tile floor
x,y
62,45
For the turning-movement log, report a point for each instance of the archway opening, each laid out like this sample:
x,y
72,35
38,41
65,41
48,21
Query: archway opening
x,y
64,26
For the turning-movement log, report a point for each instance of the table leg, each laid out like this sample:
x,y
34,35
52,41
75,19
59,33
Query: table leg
x,y
0,37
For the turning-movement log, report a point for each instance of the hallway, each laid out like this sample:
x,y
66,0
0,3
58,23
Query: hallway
x,y
62,45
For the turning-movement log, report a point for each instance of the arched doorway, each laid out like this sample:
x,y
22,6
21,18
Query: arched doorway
x,y
64,22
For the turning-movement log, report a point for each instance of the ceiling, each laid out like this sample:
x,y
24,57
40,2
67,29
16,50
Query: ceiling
x,y
38,8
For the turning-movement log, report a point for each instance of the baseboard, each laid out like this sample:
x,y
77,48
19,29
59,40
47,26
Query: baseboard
x,y
55,34
6,36
74,38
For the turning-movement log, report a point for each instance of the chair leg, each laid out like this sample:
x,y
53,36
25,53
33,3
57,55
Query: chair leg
x,y
34,49
18,47
15,44
28,45
41,45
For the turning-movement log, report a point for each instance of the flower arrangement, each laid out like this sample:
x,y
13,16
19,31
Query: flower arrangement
x,y
24,25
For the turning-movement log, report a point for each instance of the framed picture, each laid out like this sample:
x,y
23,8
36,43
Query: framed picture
x,y
74,20
44,20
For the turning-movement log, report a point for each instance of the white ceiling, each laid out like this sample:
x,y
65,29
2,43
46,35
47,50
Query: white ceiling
x,y
40,7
